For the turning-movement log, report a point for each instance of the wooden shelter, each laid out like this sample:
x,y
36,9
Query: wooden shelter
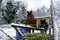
x,y
34,20
38,20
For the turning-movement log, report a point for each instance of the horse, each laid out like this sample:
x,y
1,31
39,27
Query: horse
x,y
30,18
44,25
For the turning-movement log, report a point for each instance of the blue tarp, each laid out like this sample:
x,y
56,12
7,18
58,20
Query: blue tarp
x,y
23,30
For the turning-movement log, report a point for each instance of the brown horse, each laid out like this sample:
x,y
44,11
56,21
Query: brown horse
x,y
30,18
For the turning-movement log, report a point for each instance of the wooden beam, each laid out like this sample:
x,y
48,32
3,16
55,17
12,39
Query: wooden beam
x,y
37,22
16,26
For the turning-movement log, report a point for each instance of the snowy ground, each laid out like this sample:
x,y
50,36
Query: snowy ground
x,y
7,29
10,31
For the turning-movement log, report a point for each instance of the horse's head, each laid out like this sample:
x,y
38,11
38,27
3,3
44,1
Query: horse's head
x,y
30,18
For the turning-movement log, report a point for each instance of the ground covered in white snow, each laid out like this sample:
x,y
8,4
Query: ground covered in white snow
x,y
10,31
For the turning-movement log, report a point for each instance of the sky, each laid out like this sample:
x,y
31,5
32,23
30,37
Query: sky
x,y
35,4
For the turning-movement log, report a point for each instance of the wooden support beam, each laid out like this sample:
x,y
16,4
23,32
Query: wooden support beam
x,y
37,22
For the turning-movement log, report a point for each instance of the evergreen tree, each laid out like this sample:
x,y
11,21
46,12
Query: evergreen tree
x,y
10,12
0,4
24,12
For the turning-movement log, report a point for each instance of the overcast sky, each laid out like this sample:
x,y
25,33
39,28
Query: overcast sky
x,y
34,4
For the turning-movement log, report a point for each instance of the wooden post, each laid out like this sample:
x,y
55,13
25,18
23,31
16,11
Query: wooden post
x,y
37,22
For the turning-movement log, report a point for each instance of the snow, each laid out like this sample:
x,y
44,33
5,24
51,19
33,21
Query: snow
x,y
21,25
8,30
11,31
